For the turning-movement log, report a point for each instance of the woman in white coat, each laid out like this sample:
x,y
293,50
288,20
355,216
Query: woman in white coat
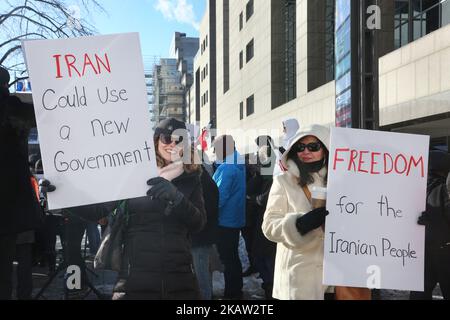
x,y
291,222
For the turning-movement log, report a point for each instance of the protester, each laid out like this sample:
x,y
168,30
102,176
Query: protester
x,y
436,220
292,223
258,189
251,171
230,179
290,128
203,242
156,260
20,210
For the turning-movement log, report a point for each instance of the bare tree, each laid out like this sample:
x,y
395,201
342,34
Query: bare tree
x,y
40,19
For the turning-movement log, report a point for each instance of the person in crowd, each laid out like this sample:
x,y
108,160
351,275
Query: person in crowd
x,y
436,220
24,251
251,171
20,208
157,261
93,236
203,242
290,128
230,179
291,222
258,189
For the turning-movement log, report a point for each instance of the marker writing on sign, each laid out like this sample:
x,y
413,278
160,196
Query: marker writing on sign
x,y
375,163
71,66
383,248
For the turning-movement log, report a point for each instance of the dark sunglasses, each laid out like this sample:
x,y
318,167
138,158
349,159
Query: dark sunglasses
x,y
313,147
168,139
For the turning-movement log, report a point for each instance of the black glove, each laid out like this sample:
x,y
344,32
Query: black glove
x,y
164,190
45,186
424,219
311,220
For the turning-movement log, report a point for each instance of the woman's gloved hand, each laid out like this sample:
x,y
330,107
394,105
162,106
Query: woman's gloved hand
x,y
46,186
424,219
311,220
164,190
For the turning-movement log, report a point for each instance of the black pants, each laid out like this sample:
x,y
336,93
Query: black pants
x,y
24,259
437,270
248,235
7,252
228,247
73,234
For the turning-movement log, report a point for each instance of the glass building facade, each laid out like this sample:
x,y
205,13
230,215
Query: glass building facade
x,y
343,60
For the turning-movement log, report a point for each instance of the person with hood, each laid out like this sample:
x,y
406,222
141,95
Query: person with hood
x,y
156,256
290,128
436,220
291,222
230,179
20,209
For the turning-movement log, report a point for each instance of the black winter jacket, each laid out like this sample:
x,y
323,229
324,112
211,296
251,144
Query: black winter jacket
x,y
211,197
157,261
437,230
20,210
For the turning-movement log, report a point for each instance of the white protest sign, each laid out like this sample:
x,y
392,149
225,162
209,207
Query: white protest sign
x,y
376,192
92,114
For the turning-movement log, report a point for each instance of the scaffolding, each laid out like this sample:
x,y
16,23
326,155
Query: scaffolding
x,y
168,92
150,62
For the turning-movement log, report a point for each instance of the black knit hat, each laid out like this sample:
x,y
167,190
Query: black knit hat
x,y
168,126
4,76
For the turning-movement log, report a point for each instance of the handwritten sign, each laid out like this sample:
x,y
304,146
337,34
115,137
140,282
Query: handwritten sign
x,y
376,192
92,114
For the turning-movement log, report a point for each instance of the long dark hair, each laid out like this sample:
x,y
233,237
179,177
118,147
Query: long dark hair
x,y
305,173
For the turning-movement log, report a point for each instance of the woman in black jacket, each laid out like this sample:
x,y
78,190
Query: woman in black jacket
x,y
156,256
157,261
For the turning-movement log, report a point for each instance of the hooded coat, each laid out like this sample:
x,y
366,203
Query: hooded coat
x,y
292,128
299,259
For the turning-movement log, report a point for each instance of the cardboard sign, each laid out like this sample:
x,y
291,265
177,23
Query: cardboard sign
x,y
376,192
93,121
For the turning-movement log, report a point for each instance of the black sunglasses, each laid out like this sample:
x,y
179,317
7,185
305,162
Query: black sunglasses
x,y
313,147
168,139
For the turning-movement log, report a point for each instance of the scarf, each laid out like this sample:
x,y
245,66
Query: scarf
x,y
172,171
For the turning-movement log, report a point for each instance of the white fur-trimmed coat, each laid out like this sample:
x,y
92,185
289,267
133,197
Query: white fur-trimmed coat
x,y
299,259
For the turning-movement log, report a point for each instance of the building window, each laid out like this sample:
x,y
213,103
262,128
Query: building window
x,y
414,19
241,110
241,60
249,51
207,95
206,41
321,31
206,69
249,9
250,105
241,21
